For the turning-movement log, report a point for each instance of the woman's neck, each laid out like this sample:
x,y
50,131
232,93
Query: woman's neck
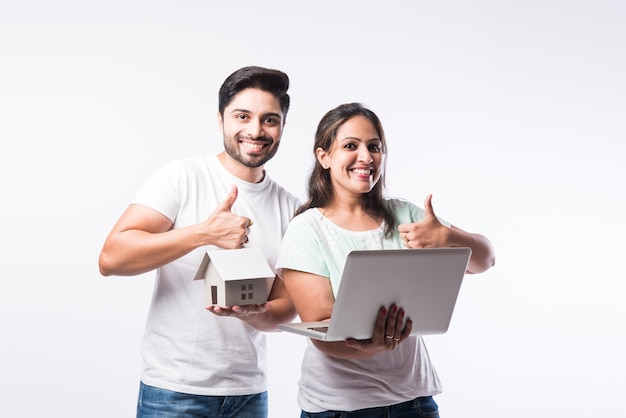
x,y
350,216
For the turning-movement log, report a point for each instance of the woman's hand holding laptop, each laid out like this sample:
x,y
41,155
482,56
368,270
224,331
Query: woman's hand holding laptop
x,y
389,331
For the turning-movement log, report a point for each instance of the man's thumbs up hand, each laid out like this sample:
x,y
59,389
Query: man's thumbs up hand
x,y
226,229
227,204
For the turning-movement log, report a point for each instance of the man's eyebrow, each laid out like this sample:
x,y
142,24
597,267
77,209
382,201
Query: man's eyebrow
x,y
240,110
265,115
274,114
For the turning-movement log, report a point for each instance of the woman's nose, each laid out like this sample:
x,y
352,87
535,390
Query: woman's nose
x,y
365,155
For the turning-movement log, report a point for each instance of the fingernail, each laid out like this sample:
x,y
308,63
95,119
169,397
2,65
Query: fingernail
x,y
394,309
383,312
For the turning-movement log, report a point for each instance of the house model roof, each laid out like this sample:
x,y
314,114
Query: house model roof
x,y
244,263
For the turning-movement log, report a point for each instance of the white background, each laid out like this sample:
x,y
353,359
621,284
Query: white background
x,y
511,113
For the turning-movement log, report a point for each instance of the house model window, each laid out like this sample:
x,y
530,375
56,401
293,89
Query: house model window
x,y
250,294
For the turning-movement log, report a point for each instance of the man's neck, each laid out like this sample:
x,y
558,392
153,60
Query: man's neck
x,y
234,167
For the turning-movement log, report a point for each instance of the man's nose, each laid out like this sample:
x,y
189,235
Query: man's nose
x,y
254,128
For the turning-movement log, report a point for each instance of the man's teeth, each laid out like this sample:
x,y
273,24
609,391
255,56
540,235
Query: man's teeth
x,y
251,146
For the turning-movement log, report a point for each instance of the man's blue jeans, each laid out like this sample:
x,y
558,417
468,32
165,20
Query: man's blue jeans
x,y
424,407
161,403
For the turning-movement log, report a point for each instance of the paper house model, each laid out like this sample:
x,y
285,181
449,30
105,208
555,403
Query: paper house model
x,y
235,277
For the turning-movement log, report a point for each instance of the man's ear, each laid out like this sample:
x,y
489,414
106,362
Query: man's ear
x,y
220,121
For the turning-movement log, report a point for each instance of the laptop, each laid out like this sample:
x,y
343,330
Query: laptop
x,y
425,282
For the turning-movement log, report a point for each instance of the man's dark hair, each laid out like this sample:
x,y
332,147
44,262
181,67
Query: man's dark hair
x,y
273,81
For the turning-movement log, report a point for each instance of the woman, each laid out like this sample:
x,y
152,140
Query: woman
x,y
346,210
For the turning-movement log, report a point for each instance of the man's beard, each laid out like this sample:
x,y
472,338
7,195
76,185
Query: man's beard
x,y
233,150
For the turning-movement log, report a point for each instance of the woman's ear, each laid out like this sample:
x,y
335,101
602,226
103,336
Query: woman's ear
x,y
322,157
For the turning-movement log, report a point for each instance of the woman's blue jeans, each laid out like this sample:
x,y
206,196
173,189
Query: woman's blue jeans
x,y
161,403
423,407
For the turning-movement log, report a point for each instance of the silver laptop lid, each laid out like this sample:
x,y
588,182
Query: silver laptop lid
x,y
424,282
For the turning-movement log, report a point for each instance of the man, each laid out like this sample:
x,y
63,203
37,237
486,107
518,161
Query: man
x,y
199,363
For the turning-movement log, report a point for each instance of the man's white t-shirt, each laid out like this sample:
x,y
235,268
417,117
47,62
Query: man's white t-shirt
x,y
186,348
